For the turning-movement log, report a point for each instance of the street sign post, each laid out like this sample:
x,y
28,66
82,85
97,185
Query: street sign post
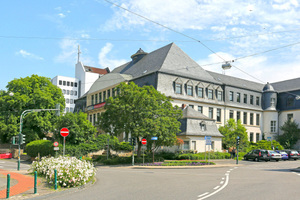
x,y
144,142
153,138
64,132
207,142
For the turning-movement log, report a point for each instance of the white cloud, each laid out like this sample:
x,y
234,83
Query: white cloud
x,y
28,55
61,15
105,61
68,51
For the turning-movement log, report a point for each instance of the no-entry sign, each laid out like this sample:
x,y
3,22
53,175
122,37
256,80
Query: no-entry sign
x,y
144,141
55,144
64,132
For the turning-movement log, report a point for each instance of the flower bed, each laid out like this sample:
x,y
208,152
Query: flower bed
x,y
180,163
71,172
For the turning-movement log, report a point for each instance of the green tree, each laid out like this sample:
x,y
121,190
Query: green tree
x,y
142,112
231,130
34,92
80,128
291,134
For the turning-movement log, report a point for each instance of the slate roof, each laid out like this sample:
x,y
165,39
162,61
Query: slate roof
x,y
237,82
190,124
287,85
108,80
169,59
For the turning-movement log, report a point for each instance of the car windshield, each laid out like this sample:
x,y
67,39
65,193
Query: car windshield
x,y
272,152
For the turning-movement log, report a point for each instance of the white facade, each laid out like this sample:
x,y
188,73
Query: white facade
x,y
69,87
85,77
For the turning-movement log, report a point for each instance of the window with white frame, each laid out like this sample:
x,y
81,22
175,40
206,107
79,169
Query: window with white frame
x,y
189,90
186,145
200,109
220,95
210,94
211,113
273,127
218,115
200,92
178,88
230,96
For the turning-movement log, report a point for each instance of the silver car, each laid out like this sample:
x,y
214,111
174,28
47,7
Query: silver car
x,y
274,155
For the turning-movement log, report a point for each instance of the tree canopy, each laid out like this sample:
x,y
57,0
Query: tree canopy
x,y
80,129
291,134
34,92
231,130
142,112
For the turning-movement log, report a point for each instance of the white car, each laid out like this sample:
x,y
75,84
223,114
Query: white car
x,y
274,155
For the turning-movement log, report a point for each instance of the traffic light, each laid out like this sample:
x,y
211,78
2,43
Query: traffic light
x,y
130,141
57,107
22,139
238,140
133,142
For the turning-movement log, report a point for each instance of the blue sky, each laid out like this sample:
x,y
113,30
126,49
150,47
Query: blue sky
x,y
41,37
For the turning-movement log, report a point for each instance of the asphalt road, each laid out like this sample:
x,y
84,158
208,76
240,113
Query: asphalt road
x,y
248,180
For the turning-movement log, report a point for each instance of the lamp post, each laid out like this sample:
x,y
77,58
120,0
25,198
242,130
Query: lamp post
x,y
24,113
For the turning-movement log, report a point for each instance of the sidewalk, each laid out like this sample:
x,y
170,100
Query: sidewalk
x,y
21,185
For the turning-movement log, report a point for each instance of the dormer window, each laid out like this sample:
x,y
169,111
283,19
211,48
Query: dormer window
x,y
178,88
202,126
210,94
189,90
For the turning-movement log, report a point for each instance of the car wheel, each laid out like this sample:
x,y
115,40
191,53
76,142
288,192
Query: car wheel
x,y
295,159
277,160
256,159
245,158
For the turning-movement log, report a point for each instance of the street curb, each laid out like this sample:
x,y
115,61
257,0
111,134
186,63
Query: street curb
x,y
65,191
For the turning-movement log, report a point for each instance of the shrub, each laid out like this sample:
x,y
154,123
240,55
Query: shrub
x,y
123,146
44,147
71,172
201,156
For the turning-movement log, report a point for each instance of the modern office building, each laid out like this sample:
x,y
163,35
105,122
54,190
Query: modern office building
x,y
69,87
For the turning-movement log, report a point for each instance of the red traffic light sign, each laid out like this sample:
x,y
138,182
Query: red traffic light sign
x,y
55,144
144,141
64,132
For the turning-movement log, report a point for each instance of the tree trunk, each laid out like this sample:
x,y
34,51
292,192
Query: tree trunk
x,y
139,147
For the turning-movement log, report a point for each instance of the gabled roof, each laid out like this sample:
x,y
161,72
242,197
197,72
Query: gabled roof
x,y
96,70
287,85
237,82
169,59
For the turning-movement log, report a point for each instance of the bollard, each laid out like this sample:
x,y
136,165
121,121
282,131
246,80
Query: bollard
x,y
8,186
55,179
35,182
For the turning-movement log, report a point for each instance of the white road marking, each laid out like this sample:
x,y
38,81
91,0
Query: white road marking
x,y
216,187
203,194
223,178
298,174
231,169
228,171
221,182
221,188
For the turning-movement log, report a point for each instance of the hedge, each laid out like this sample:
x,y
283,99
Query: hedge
x,y
42,147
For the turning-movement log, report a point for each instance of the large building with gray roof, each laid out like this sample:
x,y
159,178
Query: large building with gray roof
x,y
262,108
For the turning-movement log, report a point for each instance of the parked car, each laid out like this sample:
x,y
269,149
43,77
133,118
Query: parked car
x,y
257,155
293,154
274,155
284,155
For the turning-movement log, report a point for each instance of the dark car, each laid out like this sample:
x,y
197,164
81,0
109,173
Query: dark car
x,y
293,154
257,155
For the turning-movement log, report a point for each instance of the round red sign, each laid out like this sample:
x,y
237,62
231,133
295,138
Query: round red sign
x,y
64,132
144,141
55,144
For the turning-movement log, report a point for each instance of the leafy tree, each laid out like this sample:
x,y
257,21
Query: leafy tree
x,y
231,131
264,144
35,92
291,134
80,128
142,112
